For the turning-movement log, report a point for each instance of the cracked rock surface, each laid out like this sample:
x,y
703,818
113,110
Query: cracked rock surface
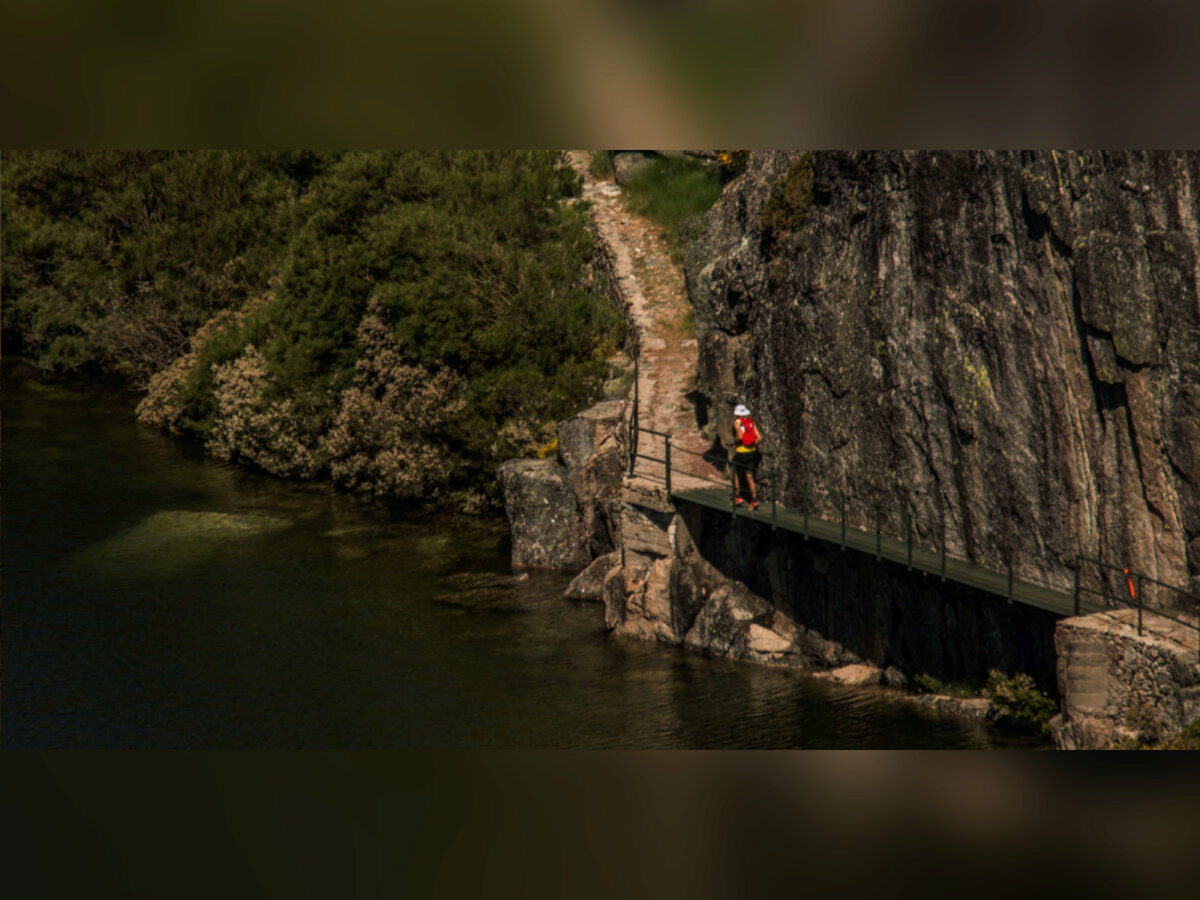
x,y
1006,344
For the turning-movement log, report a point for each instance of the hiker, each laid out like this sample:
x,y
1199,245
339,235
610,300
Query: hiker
x,y
746,457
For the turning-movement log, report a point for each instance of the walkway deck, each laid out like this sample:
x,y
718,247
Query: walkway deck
x,y
1058,602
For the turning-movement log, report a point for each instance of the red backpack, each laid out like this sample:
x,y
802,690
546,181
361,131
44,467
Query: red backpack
x,y
749,432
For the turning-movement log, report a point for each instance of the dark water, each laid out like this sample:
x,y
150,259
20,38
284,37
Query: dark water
x,y
153,598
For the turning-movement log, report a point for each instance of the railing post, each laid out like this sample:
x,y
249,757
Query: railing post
x,y
1076,591
943,550
774,472
1139,602
1010,575
637,422
908,536
668,466
636,378
877,540
807,503
842,494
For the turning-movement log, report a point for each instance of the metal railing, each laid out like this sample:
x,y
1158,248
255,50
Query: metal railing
x,y
932,559
1114,582
634,422
710,458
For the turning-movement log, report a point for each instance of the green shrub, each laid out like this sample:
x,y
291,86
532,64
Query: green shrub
x,y
1017,696
733,163
600,164
113,259
675,193
787,206
927,684
1188,739
461,274
1144,723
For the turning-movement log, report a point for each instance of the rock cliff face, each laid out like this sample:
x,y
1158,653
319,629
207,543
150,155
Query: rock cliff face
x,y
1007,345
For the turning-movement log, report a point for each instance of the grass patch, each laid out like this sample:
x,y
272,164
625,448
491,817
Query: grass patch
x,y
686,325
927,684
787,207
601,165
674,193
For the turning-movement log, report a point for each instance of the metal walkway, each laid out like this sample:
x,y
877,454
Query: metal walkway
x,y
912,556
1096,585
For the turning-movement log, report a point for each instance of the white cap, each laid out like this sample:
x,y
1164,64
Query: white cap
x,y
740,410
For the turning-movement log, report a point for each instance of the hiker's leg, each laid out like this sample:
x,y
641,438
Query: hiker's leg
x,y
751,473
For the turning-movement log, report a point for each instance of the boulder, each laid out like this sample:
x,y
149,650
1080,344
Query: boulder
x,y
613,593
589,584
765,645
547,529
592,447
648,604
723,624
558,507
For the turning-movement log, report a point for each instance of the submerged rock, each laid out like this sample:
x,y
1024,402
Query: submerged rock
x,y
178,538
183,524
476,580
350,531
492,600
855,674
484,592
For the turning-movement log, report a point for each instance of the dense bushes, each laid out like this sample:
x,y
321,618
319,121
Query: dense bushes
x,y
112,259
400,321
1018,697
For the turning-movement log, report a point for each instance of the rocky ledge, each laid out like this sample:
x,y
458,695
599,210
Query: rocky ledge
x,y
1117,686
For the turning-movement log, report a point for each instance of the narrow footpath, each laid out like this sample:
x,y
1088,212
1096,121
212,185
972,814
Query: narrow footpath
x,y
652,285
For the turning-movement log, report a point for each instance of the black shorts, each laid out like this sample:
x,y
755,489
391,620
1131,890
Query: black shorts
x,y
747,462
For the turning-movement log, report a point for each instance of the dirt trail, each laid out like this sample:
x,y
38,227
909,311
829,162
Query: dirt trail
x,y
652,285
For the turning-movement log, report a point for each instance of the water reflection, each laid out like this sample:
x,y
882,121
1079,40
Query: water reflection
x,y
155,598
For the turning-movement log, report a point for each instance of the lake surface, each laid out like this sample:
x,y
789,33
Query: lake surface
x,y
154,598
